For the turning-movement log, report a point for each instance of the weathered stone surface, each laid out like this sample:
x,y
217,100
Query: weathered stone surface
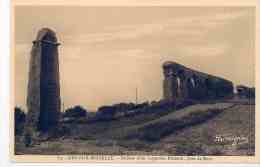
x,y
245,92
43,98
182,83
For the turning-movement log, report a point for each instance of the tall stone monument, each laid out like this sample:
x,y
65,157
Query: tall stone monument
x,y
43,98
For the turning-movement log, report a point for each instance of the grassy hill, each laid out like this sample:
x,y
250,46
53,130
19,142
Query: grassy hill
x,y
229,133
155,129
225,128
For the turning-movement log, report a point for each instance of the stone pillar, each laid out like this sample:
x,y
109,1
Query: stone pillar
x,y
170,84
183,87
43,98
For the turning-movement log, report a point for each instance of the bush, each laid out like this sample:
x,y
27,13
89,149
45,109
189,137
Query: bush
x,y
27,140
106,113
19,121
75,112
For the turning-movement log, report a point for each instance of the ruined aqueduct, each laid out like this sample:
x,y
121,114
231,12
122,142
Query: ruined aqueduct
x,y
181,83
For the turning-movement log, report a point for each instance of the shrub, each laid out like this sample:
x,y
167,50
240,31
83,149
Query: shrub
x,y
75,112
19,121
27,140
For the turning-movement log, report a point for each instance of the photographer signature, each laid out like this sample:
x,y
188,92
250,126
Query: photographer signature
x,y
234,140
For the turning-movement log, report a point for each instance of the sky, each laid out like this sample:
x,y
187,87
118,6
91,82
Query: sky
x,y
108,52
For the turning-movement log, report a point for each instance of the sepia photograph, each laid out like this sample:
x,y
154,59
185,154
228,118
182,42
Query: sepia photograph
x,y
134,80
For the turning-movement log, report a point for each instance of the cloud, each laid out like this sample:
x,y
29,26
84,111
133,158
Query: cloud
x,y
120,56
202,50
188,25
70,52
22,50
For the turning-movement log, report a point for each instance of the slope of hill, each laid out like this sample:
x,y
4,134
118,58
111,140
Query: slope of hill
x,y
225,128
173,120
230,133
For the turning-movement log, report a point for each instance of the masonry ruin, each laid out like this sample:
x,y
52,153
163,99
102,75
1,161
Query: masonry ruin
x,y
245,91
43,96
182,83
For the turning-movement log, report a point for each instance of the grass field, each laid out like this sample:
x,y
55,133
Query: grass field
x,y
201,129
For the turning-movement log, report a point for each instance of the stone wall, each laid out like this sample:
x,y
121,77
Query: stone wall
x,y
182,83
245,92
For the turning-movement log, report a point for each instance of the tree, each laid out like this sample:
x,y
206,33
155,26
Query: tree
x,y
76,111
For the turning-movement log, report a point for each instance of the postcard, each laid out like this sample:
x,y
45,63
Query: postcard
x,y
134,82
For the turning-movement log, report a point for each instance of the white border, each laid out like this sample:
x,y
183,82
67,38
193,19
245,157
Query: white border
x,y
4,81
5,99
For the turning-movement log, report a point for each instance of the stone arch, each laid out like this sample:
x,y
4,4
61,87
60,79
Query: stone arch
x,y
210,88
178,86
208,83
191,87
195,84
181,74
192,82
